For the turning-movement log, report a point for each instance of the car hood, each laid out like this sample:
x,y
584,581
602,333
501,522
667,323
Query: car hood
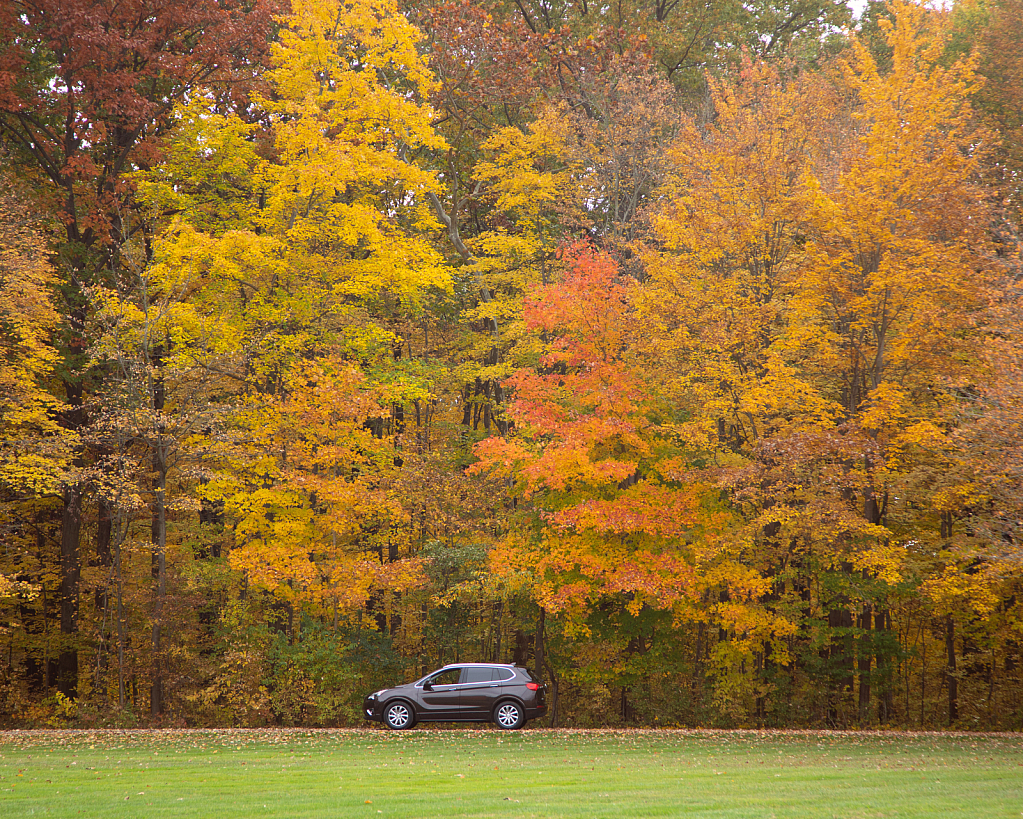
x,y
408,689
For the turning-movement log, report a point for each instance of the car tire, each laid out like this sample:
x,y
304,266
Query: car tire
x,y
399,715
508,716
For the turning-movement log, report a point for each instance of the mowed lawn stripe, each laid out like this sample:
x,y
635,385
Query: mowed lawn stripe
x,y
532,773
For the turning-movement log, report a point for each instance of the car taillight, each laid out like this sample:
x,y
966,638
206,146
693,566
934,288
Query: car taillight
x,y
533,686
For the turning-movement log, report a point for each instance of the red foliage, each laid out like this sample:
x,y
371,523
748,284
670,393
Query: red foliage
x,y
586,393
479,62
85,83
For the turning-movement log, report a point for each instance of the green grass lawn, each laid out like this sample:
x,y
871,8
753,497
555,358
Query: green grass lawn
x,y
467,772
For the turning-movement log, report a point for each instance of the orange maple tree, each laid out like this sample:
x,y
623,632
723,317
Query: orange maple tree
x,y
614,508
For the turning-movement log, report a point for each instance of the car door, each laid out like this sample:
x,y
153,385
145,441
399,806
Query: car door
x,y
438,698
480,688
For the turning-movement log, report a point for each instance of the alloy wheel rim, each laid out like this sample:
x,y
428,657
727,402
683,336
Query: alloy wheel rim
x,y
508,715
397,715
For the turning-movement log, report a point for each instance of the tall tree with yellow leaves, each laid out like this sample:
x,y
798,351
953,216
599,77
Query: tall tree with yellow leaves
x,y
323,255
86,88
35,451
819,294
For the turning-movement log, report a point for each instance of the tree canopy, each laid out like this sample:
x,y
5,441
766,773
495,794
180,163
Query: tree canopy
x,y
669,349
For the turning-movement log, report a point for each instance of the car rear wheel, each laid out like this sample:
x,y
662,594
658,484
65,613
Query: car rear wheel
x,y
508,716
398,716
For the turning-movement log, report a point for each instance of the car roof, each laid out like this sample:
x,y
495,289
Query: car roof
x,y
484,665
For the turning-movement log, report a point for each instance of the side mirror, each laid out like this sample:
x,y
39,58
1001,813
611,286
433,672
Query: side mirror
x,y
428,686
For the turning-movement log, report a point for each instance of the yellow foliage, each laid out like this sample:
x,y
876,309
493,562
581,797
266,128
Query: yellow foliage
x,y
350,81
720,298
316,233
958,497
34,449
316,481
529,170
209,172
883,559
531,177
814,289
954,589
885,407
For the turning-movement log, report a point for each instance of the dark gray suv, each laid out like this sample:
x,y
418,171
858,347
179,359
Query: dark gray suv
x,y
507,695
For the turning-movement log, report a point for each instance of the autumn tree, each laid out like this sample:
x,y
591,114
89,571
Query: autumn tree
x,y
34,446
87,89
668,349
316,249
34,449
613,515
918,157
818,354
685,39
995,33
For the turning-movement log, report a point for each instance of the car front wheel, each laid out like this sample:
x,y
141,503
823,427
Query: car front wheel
x,y
509,716
397,716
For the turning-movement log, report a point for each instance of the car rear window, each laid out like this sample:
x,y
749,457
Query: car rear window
x,y
487,674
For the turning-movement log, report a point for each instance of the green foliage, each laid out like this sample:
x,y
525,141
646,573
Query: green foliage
x,y
313,680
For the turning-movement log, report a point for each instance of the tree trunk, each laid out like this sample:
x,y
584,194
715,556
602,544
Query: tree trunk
x,y
33,620
863,662
950,673
521,651
424,645
698,652
159,546
538,647
554,694
841,659
885,686
72,419
158,534
104,530
70,576
103,560
496,628
211,521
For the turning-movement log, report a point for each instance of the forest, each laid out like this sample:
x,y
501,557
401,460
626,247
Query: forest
x,y
669,348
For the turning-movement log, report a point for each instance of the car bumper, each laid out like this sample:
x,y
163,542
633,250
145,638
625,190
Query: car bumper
x,y
371,709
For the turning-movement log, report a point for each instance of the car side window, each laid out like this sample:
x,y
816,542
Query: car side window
x,y
503,674
478,675
449,676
